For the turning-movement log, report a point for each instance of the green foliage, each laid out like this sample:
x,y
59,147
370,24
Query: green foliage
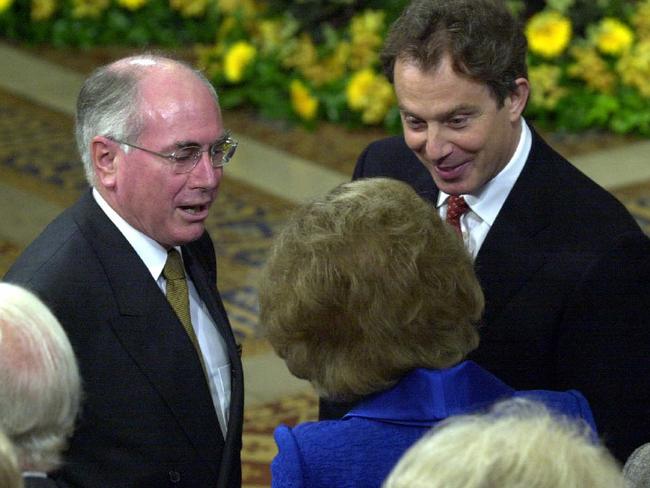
x,y
302,60
155,24
314,14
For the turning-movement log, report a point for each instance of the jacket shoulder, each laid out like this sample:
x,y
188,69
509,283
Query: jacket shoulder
x,y
392,158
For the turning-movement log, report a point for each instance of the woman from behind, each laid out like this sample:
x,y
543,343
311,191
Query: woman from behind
x,y
372,298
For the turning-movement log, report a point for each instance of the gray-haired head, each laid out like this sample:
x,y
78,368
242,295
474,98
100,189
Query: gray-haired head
x,y
40,386
637,468
109,101
518,443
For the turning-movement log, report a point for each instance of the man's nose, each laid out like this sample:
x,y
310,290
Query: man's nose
x,y
437,145
204,175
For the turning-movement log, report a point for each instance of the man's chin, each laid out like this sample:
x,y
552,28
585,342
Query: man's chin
x,y
188,235
455,187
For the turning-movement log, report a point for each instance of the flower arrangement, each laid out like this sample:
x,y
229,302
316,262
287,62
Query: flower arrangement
x,y
272,61
589,66
317,60
88,23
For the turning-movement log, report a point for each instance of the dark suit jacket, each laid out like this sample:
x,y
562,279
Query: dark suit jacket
x,y
147,418
38,482
566,275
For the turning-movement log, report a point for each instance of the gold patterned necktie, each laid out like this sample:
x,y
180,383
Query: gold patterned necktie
x,y
177,293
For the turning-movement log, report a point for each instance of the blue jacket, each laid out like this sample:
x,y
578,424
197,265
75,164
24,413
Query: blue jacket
x,y
361,449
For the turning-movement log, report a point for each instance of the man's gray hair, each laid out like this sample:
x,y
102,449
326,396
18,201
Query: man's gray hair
x,y
40,386
109,102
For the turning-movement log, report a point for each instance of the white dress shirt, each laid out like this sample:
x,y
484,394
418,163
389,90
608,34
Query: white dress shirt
x,y
213,347
486,204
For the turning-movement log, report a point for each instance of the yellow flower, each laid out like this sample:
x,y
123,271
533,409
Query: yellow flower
x,y
634,68
546,91
366,40
591,68
132,5
237,59
613,36
359,89
88,8
189,8
371,94
42,9
548,33
5,5
383,98
302,101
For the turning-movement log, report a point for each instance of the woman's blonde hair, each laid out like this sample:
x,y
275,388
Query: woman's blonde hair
x,y
365,284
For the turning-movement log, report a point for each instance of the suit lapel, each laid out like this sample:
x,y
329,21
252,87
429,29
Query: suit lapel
x,y
206,287
151,333
511,253
208,292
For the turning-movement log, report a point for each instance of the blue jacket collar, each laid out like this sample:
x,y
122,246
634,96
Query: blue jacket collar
x,y
426,396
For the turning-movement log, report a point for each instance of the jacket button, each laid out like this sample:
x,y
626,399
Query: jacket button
x,y
174,476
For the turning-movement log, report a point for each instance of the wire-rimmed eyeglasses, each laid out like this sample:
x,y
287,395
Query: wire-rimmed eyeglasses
x,y
186,158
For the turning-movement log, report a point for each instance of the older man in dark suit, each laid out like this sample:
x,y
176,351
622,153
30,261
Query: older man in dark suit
x,y
130,272
564,267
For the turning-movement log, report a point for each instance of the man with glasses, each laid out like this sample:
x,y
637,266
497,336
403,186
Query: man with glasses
x,y
130,271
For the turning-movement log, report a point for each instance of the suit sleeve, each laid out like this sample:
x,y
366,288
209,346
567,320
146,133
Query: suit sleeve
x,y
359,168
604,343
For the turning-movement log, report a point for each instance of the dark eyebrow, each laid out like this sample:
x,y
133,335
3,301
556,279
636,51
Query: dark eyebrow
x,y
459,109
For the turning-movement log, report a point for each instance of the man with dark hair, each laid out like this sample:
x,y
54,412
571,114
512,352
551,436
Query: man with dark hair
x,y
130,272
564,267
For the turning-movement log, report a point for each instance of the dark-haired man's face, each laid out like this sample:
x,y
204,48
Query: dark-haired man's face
x,y
454,125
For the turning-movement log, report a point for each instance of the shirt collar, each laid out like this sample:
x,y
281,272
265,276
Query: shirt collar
x,y
490,198
153,255
34,474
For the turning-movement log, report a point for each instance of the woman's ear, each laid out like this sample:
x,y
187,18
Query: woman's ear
x,y
103,153
518,98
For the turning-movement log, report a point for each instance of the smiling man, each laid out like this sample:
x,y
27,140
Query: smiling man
x,y
564,267
130,272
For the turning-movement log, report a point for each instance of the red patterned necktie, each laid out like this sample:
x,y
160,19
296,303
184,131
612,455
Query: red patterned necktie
x,y
456,206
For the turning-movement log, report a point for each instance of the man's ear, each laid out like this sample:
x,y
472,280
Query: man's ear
x,y
518,98
103,152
